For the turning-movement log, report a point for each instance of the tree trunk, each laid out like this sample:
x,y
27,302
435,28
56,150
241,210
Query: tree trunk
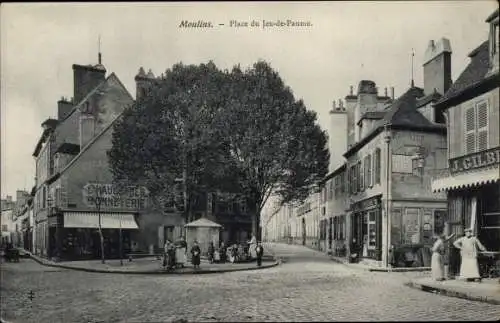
x,y
256,225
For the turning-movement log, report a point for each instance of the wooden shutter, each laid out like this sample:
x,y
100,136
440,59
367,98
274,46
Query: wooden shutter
x,y
361,182
369,170
470,130
482,126
377,166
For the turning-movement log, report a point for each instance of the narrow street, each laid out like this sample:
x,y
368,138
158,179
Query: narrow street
x,y
308,286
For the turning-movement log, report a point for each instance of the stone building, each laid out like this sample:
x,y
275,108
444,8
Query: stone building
x,y
74,189
472,178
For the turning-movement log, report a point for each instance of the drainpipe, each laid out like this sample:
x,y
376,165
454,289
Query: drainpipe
x,y
387,140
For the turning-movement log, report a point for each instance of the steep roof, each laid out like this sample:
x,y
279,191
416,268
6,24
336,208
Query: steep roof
x,y
473,74
401,114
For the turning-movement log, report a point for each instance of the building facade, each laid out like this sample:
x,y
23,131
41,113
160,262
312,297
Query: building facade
x,y
472,178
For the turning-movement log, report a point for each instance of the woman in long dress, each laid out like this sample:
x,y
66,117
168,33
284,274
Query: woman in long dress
x,y
469,245
437,261
195,255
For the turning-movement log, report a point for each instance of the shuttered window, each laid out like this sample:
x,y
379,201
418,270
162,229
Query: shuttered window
x,y
376,165
482,126
342,180
361,179
470,130
476,128
369,181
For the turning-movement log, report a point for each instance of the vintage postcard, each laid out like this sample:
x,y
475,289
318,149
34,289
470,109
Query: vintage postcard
x,y
250,161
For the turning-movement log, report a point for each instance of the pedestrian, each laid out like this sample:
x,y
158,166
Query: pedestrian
x,y
211,252
259,250
195,255
166,248
222,252
437,261
469,245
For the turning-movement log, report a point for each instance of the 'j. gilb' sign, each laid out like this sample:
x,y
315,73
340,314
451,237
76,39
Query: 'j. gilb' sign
x,y
477,160
131,197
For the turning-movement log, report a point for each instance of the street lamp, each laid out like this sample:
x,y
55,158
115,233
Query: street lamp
x,y
121,242
387,140
98,201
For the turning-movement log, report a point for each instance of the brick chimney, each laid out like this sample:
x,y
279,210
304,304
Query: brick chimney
x,y
437,67
86,78
64,107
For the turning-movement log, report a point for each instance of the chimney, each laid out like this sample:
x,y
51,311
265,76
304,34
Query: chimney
x,y
333,105
143,83
86,78
352,90
341,104
385,91
63,108
437,67
87,129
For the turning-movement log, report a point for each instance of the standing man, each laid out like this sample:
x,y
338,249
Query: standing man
x,y
469,245
260,251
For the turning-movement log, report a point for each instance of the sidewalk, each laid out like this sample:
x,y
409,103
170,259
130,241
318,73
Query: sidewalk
x,y
487,291
151,265
361,266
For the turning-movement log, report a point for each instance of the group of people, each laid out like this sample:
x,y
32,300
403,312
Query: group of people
x,y
469,247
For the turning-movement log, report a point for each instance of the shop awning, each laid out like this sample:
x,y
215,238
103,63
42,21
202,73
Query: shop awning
x,y
472,179
91,220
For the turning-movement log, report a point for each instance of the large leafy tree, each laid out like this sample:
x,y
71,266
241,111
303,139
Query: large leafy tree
x,y
166,136
275,144
234,131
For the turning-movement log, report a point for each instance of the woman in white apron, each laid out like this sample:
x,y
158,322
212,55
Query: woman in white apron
x,y
469,245
437,262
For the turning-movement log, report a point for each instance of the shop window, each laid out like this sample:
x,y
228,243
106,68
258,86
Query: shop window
x,y
372,230
439,220
411,226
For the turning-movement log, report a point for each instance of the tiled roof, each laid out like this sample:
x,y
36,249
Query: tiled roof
x,y
427,99
473,74
403,114
373,115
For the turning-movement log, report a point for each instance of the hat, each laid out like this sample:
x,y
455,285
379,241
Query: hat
x,y
468,230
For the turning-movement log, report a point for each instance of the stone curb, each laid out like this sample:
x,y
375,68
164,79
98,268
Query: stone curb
x,y
150,272
374,269
451,293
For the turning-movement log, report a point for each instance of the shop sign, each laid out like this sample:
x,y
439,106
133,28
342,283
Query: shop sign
x,y
132,197
477,160
367,204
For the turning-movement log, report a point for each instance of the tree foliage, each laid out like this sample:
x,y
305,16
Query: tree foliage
x,y
235,131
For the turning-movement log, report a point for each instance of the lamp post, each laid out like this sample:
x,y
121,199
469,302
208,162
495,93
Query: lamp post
x,y
387,140
98,202
121,241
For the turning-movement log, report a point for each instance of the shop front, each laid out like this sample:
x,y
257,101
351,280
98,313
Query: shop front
x,y
75,235
366,228
473,190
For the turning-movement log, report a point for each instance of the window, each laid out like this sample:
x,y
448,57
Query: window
x,y
372,230
342,179
361,179
368,170
476,128
4,227
376,166
353,179
337,185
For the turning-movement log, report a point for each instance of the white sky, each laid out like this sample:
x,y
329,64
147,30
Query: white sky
x,y
348,41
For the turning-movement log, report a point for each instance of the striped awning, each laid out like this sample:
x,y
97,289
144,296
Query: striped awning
x,y
471,179
91,220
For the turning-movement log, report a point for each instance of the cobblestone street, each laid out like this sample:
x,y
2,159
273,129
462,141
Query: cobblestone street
x,y
307,287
